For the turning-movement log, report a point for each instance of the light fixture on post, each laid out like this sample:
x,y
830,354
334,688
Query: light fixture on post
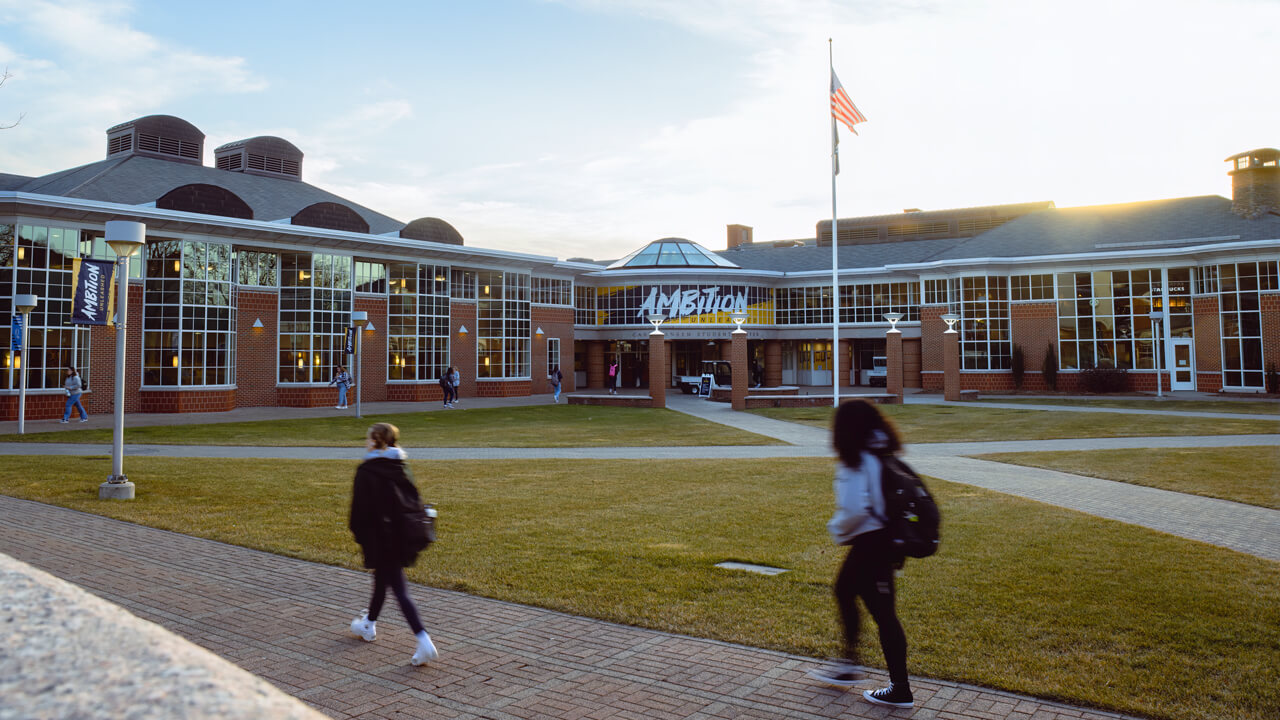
x,y
656,319
893,318
1156,338
738,318
359,318
125,238
24,304
951,319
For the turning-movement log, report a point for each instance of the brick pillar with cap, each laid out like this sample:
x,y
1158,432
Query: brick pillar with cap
x,y
659,377
738,366
893,360
951,366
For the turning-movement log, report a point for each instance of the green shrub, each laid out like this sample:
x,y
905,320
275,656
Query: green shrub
x,y
1018,366
1050,367
1104,379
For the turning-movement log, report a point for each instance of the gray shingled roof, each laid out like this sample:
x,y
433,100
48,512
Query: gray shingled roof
x,y
1103,228
9,181
139,180
1200,220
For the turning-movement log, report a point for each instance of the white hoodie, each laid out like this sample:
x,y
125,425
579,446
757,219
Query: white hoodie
x,y
859,501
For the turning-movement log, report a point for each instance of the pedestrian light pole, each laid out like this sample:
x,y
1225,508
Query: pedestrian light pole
x,y
359,318
24,305
1157,337
125,238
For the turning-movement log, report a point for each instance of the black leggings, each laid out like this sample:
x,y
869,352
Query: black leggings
x,y
393,578
867,573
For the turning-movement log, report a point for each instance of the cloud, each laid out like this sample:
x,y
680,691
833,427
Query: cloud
x,y
77,62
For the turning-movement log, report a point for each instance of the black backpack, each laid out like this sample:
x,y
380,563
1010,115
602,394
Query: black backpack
x,y
913,519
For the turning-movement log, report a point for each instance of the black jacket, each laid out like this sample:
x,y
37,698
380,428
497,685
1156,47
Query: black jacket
x,y
383,488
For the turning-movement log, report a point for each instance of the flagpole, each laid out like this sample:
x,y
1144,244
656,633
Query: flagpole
x,y
835,262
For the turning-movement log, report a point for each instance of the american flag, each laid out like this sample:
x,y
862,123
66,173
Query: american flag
x,y
842,108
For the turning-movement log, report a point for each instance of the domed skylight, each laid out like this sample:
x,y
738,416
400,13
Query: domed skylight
x,y
672,252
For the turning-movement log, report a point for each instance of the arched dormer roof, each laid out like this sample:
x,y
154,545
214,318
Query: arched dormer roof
x,y
332,216
207,200
429,229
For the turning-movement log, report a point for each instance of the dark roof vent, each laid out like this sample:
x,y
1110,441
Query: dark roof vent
x,y
431,229
263,155
161,136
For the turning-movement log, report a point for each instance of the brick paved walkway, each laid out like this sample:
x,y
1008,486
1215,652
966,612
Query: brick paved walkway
x,y
286,620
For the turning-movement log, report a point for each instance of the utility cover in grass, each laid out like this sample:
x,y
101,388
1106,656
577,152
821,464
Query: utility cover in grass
x,y
762,569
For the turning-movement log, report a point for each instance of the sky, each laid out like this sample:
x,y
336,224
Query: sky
x,y
587,128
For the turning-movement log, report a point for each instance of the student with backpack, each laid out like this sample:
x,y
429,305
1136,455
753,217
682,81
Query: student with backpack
x,y
446,387
342,379
556,379
382,496
874,498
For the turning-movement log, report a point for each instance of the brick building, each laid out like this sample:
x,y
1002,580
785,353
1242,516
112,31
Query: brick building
x,y
244,290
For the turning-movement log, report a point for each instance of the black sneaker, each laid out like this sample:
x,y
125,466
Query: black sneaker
x,y
840,674
892,696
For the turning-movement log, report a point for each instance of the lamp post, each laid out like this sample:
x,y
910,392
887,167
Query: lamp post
x,y
1156,338
125,238
359,318
659,373
24,304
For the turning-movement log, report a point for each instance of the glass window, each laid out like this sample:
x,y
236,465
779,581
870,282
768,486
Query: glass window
x,y
316,297
502,315
189,313
553,354
985,342
38,260
1239,310
552,291
417,321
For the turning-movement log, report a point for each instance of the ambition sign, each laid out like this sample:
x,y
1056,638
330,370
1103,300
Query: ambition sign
x,y
691,302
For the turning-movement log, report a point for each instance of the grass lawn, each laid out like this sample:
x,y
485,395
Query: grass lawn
x,y
1250,407
1023,596
525,426
943,423
1245,474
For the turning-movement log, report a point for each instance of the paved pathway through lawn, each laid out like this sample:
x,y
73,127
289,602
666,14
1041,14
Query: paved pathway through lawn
x,y
286,620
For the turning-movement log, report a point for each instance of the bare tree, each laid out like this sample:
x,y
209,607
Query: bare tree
x,y
4,77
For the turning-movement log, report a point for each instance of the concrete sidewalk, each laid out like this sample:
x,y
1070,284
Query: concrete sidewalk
x,y
286,620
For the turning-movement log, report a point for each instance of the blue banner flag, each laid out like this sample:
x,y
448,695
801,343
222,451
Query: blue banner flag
x,y
15,334
351,341
92,303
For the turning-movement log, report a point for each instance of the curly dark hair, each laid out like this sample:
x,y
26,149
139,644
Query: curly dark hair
x,y
854,428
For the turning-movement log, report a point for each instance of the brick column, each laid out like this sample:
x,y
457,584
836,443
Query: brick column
x,y
772,363
595,364
846,362
951,366
738,365
659,377
893,358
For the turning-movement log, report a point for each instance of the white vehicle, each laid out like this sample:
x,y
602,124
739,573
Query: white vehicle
x,y
878,375
721,378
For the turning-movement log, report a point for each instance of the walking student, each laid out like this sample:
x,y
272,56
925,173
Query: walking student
x,y
343,380
862,437
74,387
446,387
556,379
383,488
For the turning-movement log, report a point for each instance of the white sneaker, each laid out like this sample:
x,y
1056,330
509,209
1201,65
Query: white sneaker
x,y
365,628
64,422
84,419
426,651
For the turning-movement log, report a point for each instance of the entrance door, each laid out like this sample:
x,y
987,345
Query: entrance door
x,y
1182,365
